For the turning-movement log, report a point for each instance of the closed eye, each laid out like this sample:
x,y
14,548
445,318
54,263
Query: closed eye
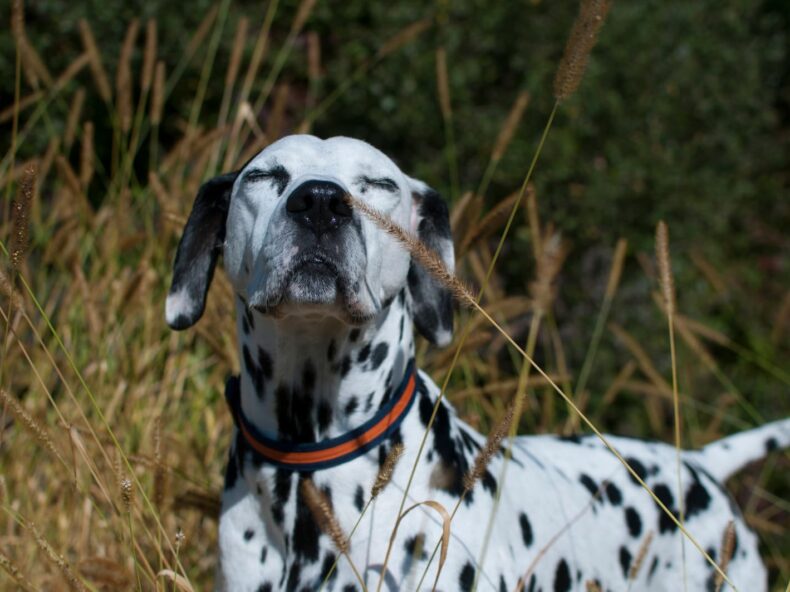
x,y
277,175
384,183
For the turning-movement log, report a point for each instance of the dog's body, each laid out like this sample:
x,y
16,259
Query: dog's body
x,y
325,305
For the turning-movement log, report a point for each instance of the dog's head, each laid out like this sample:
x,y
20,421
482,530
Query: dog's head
x,y
293,246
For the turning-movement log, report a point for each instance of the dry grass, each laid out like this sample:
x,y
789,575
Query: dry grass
x,y
112,438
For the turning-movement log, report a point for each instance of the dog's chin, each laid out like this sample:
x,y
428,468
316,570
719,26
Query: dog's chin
x,y
317,289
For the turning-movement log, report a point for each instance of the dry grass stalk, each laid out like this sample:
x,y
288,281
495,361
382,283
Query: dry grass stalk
x,y
534,221
7,289
20,215
159,470
443,84
72,70
149,56
510,125
105,573
57,559
13,572
158,94
636,566
86,155
236,54
727,549
592,586
34,66
384,476
30,424
542,289
665,278
582,39
313,57
202,31
424,256
73,118
617,268
323,514
31,99
403,37
17,19
123,77
97,68
492,446
302,14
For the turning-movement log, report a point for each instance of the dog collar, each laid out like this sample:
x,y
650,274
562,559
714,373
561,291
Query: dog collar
x,y
315,456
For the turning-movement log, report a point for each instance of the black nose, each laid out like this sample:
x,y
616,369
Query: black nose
x,y
319,206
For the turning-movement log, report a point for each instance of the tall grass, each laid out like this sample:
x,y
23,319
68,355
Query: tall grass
x,y
114,435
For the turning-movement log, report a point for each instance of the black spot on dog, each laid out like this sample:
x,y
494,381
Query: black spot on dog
x,y
324,415
293,577
349,588
282,490
633,521
467,577
697,497
359,498
450,452
369,401
589,484
231,472
379,354
331,351
345,366
245,326
613,493
308,377
329,562
489,482
351,406
364,353
625,561
400,329
306,531
562,577
253,370
652,570
771,444
265,362
665,523
265,587
571,438
264,553
248,534
526,530
639,469
354,335
502,583
415,546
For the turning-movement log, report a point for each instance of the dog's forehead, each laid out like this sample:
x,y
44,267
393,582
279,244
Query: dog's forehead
x,y
338,156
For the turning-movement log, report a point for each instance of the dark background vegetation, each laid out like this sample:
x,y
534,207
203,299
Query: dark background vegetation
x,y
683,115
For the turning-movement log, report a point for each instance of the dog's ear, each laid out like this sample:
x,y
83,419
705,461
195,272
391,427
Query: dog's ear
x,y
196,257
433,302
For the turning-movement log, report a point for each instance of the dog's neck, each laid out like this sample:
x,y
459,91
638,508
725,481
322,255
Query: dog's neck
x,y
305,380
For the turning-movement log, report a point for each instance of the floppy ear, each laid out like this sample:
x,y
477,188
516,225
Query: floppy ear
x,y
433,302
197,253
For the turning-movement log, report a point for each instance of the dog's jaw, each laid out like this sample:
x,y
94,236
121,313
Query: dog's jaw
x,y
319,377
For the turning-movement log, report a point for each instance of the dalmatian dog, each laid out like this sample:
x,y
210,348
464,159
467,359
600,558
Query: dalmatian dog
x,y
326,303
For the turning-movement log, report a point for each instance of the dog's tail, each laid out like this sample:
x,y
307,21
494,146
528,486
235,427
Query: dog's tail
x,y
723,458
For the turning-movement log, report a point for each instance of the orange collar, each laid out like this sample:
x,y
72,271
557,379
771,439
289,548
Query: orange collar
x,y
314,456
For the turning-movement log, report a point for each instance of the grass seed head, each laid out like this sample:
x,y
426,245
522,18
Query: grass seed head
x,y
323,514
581,41
384,475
